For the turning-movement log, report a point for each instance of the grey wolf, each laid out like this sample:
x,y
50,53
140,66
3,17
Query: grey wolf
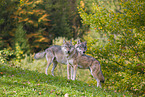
x,y
58,54
84,61
81,46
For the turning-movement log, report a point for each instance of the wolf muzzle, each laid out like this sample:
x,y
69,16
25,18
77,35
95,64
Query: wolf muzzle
x,y
68,51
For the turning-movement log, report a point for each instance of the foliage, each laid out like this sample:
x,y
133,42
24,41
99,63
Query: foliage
x,y
59,40
65,18
123,71
5,55
8,55
20,39
18,52
42,21
116,39
6,23
121,52
2,2
35,20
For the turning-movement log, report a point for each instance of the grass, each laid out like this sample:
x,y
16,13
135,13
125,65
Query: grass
x,y
16,81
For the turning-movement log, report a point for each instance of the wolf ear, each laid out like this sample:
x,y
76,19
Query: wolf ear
x,y
64,41
79,41
71,41
85,42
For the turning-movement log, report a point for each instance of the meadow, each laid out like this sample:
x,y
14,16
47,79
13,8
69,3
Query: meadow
x,y
29,80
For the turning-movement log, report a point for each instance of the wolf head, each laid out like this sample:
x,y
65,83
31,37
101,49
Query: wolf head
x,y
67,47
81,47
101,77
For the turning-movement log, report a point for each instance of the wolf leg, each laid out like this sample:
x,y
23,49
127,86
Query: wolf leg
x,y
98,83
94,74
74,72
54,66
68,71
49,61
48,64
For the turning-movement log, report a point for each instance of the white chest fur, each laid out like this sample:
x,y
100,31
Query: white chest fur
x,y
70,61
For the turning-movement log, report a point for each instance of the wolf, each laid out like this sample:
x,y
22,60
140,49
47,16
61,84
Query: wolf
x,y
81,46
58,54
84,61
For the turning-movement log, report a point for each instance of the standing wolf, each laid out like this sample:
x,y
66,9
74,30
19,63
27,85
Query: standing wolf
x,y
83,61
57,54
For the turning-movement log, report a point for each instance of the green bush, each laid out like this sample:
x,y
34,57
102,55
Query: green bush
x,y
116,39
59,40
123,71
6,55
20,41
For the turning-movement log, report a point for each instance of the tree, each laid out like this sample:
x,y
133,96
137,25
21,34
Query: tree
x,y
42,20
7,24
21,40
65,19
122,28
35,20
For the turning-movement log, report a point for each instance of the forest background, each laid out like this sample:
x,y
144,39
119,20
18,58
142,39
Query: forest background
x,y
114,31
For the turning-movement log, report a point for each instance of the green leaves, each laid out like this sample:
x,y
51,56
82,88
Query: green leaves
x,y
121,30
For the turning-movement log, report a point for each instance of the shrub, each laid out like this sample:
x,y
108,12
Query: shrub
x,y
59,40
6,55
121,53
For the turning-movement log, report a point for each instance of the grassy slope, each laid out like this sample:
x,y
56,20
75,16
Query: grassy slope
x,y
21,82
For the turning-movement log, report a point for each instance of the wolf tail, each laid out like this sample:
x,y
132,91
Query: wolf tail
x,y
39,55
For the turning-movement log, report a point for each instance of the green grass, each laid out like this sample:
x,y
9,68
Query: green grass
x,y
15,81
